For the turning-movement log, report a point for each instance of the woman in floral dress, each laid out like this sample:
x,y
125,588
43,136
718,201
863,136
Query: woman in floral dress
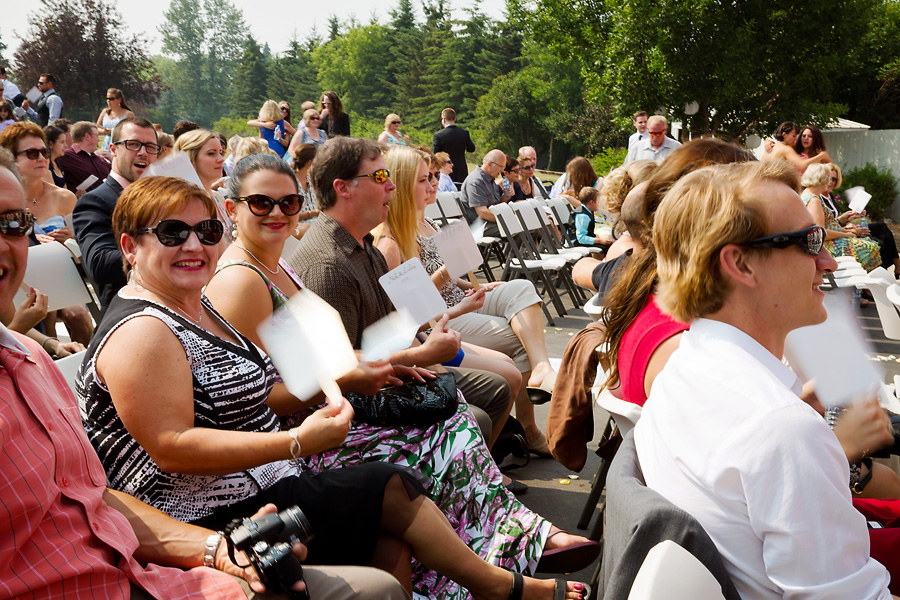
x,y
252,281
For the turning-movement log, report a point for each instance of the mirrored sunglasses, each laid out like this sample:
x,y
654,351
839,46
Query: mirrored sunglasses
x,y
17,223
810,240
380,176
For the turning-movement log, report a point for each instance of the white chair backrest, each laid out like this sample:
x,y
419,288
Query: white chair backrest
x,y
69,366
505,212
449,205
562,207
671,572
526,210
877,282
433,211
51,270
593,308
72,245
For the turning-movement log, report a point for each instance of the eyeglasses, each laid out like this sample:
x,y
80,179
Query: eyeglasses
x,y
284,108
315,118
17,223
172,232
498,165
834,180
663,132
135,146
529,168
395,122
810,240
380,176
261,205
326,103
514,170
432,177
108,99
33,153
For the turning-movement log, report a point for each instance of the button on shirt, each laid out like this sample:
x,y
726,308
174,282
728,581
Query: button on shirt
x,y
644,150
60,538
725,436
479,189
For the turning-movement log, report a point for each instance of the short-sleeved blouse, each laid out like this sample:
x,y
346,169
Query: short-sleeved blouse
x,y
231,384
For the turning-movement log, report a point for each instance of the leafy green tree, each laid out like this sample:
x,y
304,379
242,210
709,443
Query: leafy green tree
x,y
292,76
406,66
249,89
334,27
748,65
204,39
353,66
79,42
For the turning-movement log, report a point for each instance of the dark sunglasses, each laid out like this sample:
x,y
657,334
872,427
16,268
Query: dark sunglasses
x,y
172,232
261,205
112,98
514,170
135,146
810,240
33,153
529,168
380,176
16,224
395,122
315,118
284,108
432,177
656,133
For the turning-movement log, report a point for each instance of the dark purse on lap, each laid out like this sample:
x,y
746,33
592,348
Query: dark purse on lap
x,y
413,403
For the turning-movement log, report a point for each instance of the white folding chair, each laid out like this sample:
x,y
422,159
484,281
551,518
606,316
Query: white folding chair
x,y
593,308
672,573
69,366
52,270
878,282
433,212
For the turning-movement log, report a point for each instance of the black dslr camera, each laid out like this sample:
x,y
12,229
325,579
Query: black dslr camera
x,y
267,543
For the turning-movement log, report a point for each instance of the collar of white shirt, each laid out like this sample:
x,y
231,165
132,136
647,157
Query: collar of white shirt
x,y
730,333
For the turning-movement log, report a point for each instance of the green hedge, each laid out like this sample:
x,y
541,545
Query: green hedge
x,y
879,182
608,159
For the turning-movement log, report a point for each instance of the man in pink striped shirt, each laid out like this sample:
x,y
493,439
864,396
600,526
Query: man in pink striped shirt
x,y
63,534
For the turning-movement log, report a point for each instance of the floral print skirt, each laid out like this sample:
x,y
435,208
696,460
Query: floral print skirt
x,y
462,479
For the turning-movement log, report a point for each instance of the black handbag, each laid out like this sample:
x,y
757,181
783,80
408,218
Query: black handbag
x,y
414,403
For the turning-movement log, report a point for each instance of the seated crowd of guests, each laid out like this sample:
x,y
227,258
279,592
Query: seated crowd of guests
x,y
187,274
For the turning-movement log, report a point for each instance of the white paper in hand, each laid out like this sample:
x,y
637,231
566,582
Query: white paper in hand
x,y
391,334
88,182
33,95
858,198
178,165
307,342
458,248
833,353
409,287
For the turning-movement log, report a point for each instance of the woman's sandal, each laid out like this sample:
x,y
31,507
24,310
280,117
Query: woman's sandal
x,y
568,559
539,447
559,593
541,394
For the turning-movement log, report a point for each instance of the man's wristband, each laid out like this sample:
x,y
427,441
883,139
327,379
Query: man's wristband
x,y
212,544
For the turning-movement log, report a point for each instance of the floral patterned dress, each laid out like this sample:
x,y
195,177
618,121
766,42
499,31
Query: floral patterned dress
x,y
865,250
460,478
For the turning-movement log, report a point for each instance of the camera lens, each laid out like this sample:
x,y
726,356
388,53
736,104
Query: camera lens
x,y
296,524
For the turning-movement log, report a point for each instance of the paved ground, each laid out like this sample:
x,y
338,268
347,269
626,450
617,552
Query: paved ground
x,y
559,495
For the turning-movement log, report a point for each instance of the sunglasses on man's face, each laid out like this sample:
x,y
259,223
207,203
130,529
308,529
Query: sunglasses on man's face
x,y
17,223
395,122
33,153
172,232
380,176
810,240
261,205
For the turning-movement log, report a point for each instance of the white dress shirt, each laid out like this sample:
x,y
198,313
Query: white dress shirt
x,y
10,90
644,150
725,436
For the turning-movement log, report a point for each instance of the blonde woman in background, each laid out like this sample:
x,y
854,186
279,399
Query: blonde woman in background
x,y
272,127
391,133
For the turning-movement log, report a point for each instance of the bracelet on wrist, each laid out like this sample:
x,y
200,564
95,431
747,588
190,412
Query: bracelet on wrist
x,y
209,553
44,347
295,445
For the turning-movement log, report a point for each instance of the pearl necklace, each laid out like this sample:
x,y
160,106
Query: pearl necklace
x,y
277,267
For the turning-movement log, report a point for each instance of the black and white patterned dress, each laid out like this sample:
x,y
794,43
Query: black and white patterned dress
x,y
231,383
